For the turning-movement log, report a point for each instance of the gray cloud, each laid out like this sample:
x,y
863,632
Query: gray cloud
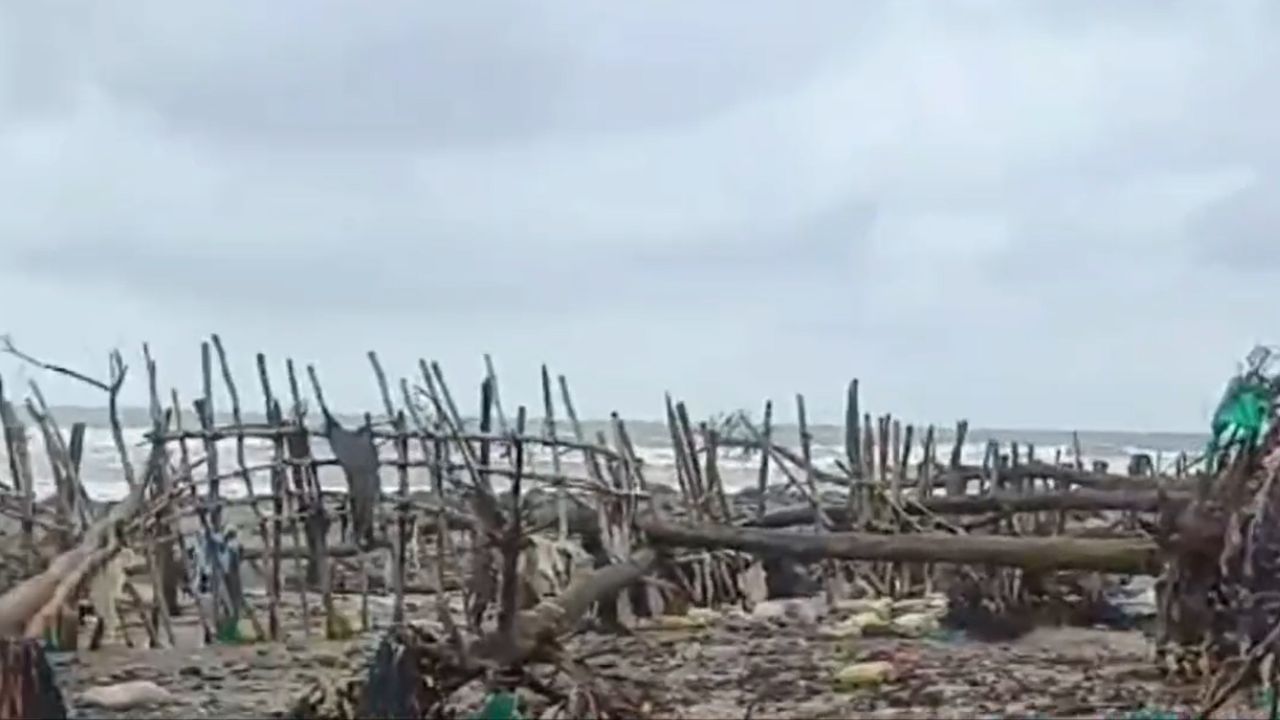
x,y
983,208
1241,230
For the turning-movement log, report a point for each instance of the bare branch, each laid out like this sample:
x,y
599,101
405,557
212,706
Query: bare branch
x,y
7,346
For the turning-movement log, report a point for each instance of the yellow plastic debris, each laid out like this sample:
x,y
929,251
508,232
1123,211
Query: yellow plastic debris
x,y
915,624
880,606
864,674
871,623
690,621
842,630
706,616
929,603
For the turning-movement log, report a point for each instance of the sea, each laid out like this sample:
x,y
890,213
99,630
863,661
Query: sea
x,y
103,477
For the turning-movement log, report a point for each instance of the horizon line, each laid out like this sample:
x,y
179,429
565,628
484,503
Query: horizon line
x,y
944,427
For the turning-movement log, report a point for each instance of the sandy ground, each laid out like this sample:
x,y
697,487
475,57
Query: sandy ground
x,y
737,667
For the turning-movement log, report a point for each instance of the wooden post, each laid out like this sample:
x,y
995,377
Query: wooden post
x,y
853,444
307,485
159,553
402,475
242,470
684,476
549,424
281,504
15,440
766,435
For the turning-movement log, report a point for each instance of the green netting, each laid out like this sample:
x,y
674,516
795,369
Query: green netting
x,y
1242,418
500,706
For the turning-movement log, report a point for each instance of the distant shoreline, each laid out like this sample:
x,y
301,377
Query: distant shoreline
x,y
650,433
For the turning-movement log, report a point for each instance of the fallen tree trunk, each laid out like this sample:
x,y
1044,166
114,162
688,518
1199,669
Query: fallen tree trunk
x,y
21,605
1048,471
1039,470
539,626
1128,557
1080,500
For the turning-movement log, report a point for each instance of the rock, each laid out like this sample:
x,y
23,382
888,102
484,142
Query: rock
x,y
126,695
879,606
871,623
942,693
930,603
915,625
706,616
842,630
786,578
755,583
769,609
327,660
679,623
865,674
801,611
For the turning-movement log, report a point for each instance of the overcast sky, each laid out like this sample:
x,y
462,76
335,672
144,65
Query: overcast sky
x,y
1049,214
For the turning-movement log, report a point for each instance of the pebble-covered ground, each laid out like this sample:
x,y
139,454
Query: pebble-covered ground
x,y
780,663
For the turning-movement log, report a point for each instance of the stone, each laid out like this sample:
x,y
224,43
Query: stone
x,y
769,609
801,611
755,583
880,606
679,622
706,616
865,674
126,695
915,625
326,660
930,603
871,623
843,630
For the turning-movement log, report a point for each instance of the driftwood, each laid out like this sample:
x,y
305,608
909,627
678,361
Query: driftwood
x,y
30,600
960,474
1061,475
1132,557
537,628
1079,500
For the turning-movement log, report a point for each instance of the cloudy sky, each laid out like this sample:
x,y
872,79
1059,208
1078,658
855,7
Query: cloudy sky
x,y
1059,213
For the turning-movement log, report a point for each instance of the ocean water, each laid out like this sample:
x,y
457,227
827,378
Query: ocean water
x,y
104,480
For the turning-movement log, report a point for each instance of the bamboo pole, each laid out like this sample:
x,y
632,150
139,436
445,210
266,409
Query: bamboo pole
x,y
159,555
549,426
762,478
281,502
237,418
684,475
402,476
307,485
15,440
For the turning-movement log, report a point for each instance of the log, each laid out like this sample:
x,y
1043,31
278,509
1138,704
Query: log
x,y
1126,557
1022,471
20,606
1079,500
1061,475
539,626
